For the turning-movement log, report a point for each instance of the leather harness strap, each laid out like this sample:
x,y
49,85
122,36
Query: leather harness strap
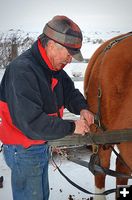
x,y
79,187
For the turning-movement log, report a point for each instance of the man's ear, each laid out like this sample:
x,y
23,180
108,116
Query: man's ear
x,y
51,44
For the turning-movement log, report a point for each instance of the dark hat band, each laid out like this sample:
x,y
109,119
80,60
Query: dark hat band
x,y
62,38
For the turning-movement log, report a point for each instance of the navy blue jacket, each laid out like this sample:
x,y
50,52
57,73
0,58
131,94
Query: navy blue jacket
x,y
34,106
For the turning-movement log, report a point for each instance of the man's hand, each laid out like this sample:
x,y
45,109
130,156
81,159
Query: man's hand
x,y
81,127
88,116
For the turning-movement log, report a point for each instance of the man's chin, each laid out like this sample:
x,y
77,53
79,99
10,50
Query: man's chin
x,y
59,67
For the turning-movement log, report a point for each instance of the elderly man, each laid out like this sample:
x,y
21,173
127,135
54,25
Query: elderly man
x,y
33,94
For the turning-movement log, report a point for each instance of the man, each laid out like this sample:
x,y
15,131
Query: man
x,y
33,94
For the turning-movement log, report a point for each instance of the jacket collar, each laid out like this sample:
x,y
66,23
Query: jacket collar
x,y
44,55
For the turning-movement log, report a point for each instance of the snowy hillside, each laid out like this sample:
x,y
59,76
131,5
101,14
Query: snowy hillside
x,y
91,39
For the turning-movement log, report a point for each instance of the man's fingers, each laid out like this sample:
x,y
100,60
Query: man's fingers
x,y
81,117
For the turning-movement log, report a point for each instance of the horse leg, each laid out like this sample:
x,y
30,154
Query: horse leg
x,y
120,167
100,179
99,187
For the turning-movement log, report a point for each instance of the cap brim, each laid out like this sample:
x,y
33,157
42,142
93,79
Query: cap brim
x,y
76,54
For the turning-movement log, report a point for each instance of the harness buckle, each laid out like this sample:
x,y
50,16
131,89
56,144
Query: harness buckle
x,y
95,148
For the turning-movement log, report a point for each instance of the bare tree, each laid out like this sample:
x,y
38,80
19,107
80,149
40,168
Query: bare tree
x,y
13,44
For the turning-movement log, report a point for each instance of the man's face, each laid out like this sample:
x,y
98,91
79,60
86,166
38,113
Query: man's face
x,y
58,55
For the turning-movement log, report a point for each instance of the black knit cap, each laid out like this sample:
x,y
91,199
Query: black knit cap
x,y
67,33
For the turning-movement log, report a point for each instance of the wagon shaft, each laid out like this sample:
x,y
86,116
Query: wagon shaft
x,y
107,137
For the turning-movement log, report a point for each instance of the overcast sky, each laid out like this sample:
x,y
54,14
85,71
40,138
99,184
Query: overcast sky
x,y
31,15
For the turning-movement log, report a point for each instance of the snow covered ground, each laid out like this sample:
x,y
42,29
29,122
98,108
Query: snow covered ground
x,y
60,189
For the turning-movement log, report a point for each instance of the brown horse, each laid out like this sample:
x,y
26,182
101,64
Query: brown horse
x,y
110,71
